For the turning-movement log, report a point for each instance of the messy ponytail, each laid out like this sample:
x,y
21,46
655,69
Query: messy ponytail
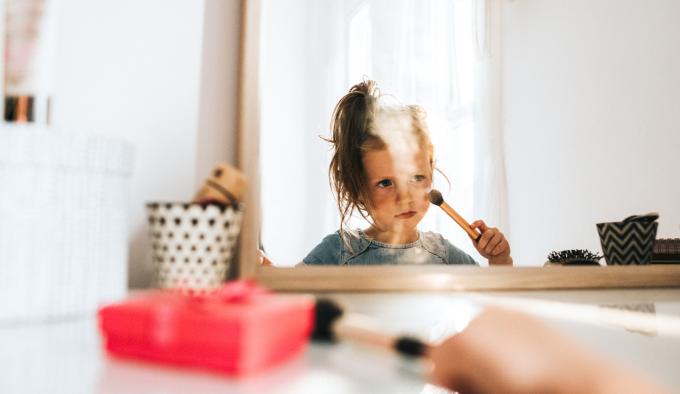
x,y
351,126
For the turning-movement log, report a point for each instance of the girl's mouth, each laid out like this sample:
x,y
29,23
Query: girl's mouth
x,y
406,215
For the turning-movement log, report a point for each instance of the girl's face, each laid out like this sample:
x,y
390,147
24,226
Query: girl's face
x,y
398,190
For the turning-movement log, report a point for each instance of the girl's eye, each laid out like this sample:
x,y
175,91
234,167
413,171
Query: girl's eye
x,y
384,183
419,178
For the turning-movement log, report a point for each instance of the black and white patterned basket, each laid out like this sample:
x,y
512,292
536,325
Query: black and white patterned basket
x,y
627,242
192,244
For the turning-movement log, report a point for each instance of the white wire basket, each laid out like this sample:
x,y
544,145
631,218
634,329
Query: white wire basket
x,y
63,222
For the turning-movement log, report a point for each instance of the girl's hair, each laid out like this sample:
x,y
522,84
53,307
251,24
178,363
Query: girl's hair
x,y
354,131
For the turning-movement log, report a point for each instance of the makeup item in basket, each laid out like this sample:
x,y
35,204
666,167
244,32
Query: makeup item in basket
x,y
437,199
630,241
574,257
226,185
239,329
666,251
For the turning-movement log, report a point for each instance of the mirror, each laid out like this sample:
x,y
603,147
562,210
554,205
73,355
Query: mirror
x,y
546,118
325,47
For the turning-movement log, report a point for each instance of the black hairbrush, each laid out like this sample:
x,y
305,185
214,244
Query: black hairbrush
x,y
574,257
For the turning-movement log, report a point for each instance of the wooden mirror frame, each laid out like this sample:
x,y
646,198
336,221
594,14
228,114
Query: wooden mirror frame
x,y
389,278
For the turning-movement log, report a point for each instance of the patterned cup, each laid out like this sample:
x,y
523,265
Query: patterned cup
x,y
627,242
192,244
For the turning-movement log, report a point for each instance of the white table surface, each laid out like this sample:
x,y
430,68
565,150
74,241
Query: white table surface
x,y
67,356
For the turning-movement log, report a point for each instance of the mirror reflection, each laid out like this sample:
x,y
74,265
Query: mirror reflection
x,y
532,131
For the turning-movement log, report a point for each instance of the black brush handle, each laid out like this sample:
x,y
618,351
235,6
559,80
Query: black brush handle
x,y
410,347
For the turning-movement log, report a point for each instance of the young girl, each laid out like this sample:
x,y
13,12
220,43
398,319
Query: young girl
x,y
382,167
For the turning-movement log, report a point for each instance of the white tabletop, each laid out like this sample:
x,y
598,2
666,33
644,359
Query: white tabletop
x,y
67,356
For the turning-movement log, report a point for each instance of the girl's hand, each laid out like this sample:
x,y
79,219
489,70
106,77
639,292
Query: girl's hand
x,y
492,245
264,260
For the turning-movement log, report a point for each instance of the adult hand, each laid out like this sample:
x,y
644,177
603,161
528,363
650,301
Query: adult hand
x,y
502,351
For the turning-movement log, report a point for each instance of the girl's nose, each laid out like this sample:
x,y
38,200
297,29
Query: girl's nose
x,y
404,193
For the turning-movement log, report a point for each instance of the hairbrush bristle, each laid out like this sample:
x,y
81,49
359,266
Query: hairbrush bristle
x,y
574,256
436,197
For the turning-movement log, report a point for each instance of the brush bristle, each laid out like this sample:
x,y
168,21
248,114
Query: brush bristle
x,y
325,314
436,197
574,256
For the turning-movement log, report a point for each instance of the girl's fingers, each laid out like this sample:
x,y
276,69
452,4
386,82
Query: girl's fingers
x,y
484,240
488,240
496,239
500,248
480,225
264,260
492,242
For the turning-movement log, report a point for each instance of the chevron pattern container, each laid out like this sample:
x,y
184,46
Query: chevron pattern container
x,y
625,243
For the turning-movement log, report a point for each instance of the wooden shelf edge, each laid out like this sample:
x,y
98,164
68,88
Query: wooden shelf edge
x,y
446,278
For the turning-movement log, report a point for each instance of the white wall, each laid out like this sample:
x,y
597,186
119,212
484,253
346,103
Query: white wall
x,y
142,71
591,98
219,86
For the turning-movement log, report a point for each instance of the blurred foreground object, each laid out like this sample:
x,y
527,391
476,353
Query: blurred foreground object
x,y
63,222
503,351
239,329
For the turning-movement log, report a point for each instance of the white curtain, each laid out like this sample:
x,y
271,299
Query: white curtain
x,y
439,54
490,188
302,75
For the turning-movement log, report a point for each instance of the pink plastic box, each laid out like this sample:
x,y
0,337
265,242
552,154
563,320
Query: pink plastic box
x,y
238,329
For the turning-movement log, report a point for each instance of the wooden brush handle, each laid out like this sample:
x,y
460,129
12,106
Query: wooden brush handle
x,y
362,329
474,234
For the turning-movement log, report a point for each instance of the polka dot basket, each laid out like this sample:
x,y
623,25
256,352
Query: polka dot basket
x,y
192,244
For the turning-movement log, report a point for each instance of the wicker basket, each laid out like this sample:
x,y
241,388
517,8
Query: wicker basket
x,y
63,225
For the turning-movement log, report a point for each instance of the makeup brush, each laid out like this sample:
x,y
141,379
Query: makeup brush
x,y
437,199
332,323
